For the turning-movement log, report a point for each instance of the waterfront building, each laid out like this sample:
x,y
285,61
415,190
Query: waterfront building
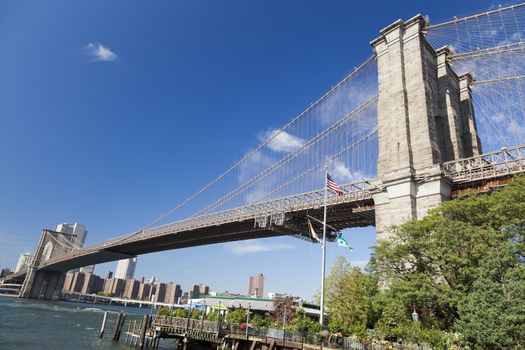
x,y
131,289
173,293
256,287
23,261
160,291
126,268
67,282
114,287
92,284
77,282
194,292
144,291
273,295
204,290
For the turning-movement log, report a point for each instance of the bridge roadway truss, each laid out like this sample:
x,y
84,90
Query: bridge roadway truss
x,y
283,216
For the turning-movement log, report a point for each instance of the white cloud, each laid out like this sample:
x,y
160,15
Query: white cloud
x,y
283,141
100,53
341,173
249,247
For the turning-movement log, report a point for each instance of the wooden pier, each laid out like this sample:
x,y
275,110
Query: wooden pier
x,y
199,333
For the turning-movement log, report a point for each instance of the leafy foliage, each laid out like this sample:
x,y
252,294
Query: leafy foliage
x,y
301,322
164,311
348,298
236,316
457,268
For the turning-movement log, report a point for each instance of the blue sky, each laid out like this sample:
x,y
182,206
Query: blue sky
x,y
111,113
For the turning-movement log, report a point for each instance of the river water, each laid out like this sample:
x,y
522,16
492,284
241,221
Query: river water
x,y
49,325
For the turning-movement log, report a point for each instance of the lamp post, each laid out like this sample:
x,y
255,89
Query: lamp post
x,y
323,262
248,320
284,321
203,315
415,315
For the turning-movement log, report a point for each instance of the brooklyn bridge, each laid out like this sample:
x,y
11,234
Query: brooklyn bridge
x,y
436,109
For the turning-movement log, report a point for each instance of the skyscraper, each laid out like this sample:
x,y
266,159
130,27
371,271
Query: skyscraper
x,y
76,229
173,293
256,287
204,290
194,292
24,261
126,268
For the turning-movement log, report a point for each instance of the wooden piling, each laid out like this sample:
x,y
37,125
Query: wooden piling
x,y
143,332
121,326
117,327
102,328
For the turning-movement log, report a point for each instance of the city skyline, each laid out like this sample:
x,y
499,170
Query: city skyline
x,y
145,123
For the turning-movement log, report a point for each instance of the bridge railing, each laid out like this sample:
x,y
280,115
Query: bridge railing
x,y
332,341
355,191
506,161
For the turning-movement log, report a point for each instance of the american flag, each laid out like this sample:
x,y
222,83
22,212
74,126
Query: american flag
x,y
333,186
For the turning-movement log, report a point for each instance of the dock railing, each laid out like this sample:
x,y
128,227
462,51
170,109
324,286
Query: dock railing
x,y
223,329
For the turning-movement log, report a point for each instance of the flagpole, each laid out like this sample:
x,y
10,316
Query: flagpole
x,y
321,317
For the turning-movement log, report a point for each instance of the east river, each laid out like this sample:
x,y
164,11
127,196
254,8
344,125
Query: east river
x,y
34,324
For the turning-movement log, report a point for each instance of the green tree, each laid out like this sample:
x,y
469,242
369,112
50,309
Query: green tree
x,y
163,311
460,255
236,316
212,316
196,314
349,294
259,320
301,322
498,308
180,312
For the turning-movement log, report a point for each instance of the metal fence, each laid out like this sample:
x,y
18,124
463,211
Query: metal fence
x,y
506,161
317,339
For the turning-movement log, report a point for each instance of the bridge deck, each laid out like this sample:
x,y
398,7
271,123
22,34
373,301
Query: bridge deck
x,y
283,216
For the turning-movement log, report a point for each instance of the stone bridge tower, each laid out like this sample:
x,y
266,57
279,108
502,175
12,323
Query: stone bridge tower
x,y
425,117
46,284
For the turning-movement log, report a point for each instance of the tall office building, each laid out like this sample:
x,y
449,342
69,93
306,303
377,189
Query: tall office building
x,y
131,289
204,290
114,287
173,293
126,268
194,292
160,291
256,286
92,284
23,261
144,291
76,229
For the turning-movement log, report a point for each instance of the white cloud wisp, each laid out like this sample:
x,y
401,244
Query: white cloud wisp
x,y
283,141
249,247
100,52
